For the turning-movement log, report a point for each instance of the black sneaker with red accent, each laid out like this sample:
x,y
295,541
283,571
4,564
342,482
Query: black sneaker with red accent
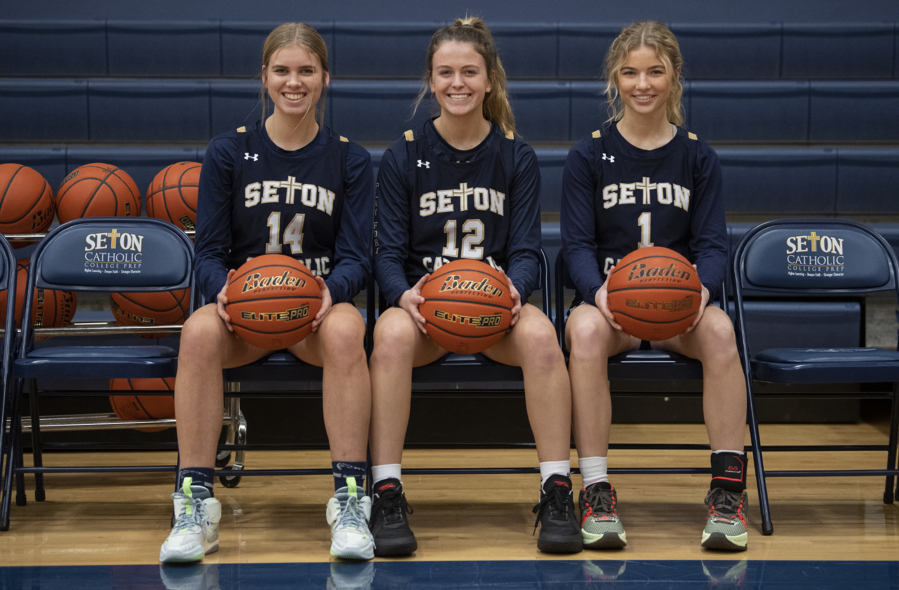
x,y
559,530
389,524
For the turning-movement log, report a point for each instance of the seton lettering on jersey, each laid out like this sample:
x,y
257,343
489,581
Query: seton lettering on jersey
x,y
269,191
447,201
626,193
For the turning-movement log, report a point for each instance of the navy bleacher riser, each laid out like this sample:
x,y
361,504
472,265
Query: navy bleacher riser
x,y
549,50
194,110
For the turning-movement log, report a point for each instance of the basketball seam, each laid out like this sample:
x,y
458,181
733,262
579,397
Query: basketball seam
x,y
484,303
467,336
654,287
644,321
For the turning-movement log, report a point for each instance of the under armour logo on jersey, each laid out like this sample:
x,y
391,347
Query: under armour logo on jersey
x,y
425,164
611,159
247,156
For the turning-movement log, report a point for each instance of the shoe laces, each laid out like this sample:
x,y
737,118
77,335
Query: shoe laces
x,y
600,500
556,501
725,504
193,513
351,515
392,503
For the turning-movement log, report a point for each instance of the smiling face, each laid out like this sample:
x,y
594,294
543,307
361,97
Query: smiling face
x,y
459,79
294,79
644,84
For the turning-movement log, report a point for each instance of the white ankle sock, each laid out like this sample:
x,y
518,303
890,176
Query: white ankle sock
x,y
593,469
382,472
550,468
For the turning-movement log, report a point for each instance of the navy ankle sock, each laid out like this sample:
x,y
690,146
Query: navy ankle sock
x,y
345,469
202,476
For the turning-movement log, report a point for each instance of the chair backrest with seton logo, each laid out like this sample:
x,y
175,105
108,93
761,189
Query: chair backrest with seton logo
x,y
105,254
819,258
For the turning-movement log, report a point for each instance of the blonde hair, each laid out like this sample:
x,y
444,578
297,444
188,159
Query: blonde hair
x,y
660,39
301,35
471,29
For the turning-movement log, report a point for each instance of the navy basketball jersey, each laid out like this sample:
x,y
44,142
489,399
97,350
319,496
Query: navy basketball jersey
x,y
643,197
287,202
459,207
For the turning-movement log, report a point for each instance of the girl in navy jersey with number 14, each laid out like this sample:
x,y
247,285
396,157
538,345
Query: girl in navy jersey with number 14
x,y
642,180
463,186
285,185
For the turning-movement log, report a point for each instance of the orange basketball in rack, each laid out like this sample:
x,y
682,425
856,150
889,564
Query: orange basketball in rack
x,y
164,308
172,195
654,293
97,190
468,306
51,308
143,407
272,300
26,201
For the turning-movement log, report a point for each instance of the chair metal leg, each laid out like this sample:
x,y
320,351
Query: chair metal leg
x,y
9,467
767,525
36,448
888,495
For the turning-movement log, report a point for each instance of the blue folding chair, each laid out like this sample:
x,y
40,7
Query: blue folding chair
x,y
104,254
818,258
8,284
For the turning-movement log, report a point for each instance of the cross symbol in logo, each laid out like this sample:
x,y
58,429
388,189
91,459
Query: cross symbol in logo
x,y
247,156
425,164
611,159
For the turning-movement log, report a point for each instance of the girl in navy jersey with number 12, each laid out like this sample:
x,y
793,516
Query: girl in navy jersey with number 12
x,y
486,184
642,180
285,185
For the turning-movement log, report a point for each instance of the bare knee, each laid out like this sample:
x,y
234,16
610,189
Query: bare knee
x,y
343,336
394,339
542,345
202,338
590,337
719,341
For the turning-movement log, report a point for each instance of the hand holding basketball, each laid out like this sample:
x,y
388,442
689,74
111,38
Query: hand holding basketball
x,y
221,301
412,299
326,304
516,299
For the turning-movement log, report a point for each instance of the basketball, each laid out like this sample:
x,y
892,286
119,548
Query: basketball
x,y
143,407
172,195
26,201
272,300
164,308
51,309
468,306
97,190
654,293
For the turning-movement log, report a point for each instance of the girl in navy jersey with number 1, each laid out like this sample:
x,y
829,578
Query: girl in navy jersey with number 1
x,y
285,185
486,184
642,180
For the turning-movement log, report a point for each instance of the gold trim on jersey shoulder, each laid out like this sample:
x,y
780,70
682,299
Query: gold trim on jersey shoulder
x,y
241,129
691,135
409,135
596,133
510,135
344,139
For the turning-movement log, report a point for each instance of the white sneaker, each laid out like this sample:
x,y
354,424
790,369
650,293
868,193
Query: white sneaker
x,y
196,530
348,514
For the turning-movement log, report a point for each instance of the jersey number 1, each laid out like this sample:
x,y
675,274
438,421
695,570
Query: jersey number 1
x,y
293,235
645,222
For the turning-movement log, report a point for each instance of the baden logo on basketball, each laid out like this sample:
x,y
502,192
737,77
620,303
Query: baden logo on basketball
x,y
256,281
455,283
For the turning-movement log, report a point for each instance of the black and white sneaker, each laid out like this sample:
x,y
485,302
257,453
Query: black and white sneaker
x,y
559,529
389,524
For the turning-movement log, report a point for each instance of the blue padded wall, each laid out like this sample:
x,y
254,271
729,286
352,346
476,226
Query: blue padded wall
x,y
782,181
141,163
164,48
32,48
582,48
552,164
868,181
375,111
234,103
527,50
853,111
389,50
49,161
750,111
43,110
149,110
838,50
589,108
729,51
542,110
242,42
